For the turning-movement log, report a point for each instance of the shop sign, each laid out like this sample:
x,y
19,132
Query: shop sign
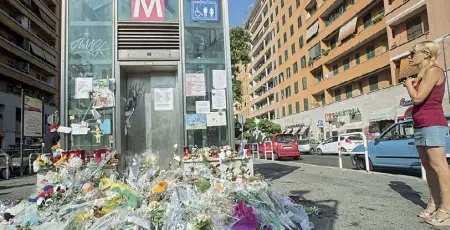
x,y
204,10
147,10
346,112
295,126
329,117
320,123
404,102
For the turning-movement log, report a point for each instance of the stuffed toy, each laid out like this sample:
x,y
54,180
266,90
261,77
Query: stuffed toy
x,y
50,191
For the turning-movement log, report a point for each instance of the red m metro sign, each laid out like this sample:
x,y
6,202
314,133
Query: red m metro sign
x,y
147,10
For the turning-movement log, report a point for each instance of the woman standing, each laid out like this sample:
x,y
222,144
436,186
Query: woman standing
x,y
430,129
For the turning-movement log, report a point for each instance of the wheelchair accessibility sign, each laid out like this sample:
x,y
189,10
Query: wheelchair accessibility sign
x,y
204,10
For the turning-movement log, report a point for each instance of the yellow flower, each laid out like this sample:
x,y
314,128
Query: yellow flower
x,y
160,188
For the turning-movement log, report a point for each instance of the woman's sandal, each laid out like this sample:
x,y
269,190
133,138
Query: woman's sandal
x,y
425,214
440,222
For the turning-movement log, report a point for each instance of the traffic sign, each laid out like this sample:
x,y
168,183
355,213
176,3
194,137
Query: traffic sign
x,y
241,119
320,123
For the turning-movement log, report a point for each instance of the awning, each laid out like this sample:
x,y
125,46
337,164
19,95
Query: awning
x,y
295,130
314,51
382,115
47,19
406,70
303,130
287,131
42,54
404,113
347,29
312,30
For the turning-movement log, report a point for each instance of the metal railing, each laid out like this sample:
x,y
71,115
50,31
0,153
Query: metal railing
x,y
268,151
255,150
365,152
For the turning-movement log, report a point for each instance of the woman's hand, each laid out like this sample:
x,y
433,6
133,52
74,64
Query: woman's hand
x,y
410,82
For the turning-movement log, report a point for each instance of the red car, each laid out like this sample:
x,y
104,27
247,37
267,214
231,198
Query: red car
x,y
282,145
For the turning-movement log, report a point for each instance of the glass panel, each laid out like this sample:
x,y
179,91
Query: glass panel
x,y
170,12
90,57
206,37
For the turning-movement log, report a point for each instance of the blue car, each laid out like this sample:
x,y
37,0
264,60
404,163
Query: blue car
x,y
394,148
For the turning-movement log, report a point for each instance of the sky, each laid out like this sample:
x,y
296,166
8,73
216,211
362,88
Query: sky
x,y
238,10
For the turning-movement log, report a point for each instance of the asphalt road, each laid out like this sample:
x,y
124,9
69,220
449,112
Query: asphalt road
x,y
326,160
350,199
333,161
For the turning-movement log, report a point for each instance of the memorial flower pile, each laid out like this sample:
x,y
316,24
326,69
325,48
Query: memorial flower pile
x,y
144,196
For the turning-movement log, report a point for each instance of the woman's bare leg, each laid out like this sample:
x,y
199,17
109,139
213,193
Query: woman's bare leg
x,y
432,180
438,162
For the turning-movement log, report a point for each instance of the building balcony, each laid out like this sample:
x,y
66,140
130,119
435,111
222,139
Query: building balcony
x,y
24,54
53,32
46,9
264,110
342,75
351,44
403,48
16,26
26,78
403,9
350,12
322,5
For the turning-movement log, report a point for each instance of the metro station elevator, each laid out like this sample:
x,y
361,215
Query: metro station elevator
x,y
139,56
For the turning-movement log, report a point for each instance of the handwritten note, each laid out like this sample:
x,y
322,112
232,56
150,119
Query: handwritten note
x,y
219,79
219,100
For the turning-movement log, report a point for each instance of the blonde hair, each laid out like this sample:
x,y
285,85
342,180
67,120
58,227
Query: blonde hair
x,y
429,48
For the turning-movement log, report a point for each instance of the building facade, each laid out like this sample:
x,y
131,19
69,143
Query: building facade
x,y
29,54
320,68
145,75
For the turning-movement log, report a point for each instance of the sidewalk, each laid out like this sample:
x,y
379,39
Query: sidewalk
x,y
351,199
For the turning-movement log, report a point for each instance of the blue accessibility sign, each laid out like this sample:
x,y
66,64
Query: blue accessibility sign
x,y
320,123
204,10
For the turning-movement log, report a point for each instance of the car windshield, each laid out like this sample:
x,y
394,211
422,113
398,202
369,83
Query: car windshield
x,y
284,138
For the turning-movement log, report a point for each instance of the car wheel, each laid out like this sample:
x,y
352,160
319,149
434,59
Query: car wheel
x,y
6,174
311,151
319,152
30,169
296,158
361,164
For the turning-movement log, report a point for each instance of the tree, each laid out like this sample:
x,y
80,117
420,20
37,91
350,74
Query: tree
x,y
249,127
240,49
268,127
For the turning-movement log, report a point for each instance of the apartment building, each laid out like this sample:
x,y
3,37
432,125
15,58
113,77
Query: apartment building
x,y
325,67
29,50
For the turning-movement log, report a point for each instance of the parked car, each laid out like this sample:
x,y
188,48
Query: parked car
x,y
308,146
331,145
4,158
394,148
283,145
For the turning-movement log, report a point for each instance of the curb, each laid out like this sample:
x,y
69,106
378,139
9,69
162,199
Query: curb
x,y
344,169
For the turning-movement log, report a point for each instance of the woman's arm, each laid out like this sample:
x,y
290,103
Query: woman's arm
x,y
429,80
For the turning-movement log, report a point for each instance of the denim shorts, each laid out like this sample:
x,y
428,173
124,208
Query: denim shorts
x,y
433,136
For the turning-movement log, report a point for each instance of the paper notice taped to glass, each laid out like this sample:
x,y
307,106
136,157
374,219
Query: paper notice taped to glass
x,y
202,107
79,129
64,129
219,100
219,79
216,119
83,86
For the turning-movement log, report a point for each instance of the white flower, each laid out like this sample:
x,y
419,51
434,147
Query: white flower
x,y
175,146
76,163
